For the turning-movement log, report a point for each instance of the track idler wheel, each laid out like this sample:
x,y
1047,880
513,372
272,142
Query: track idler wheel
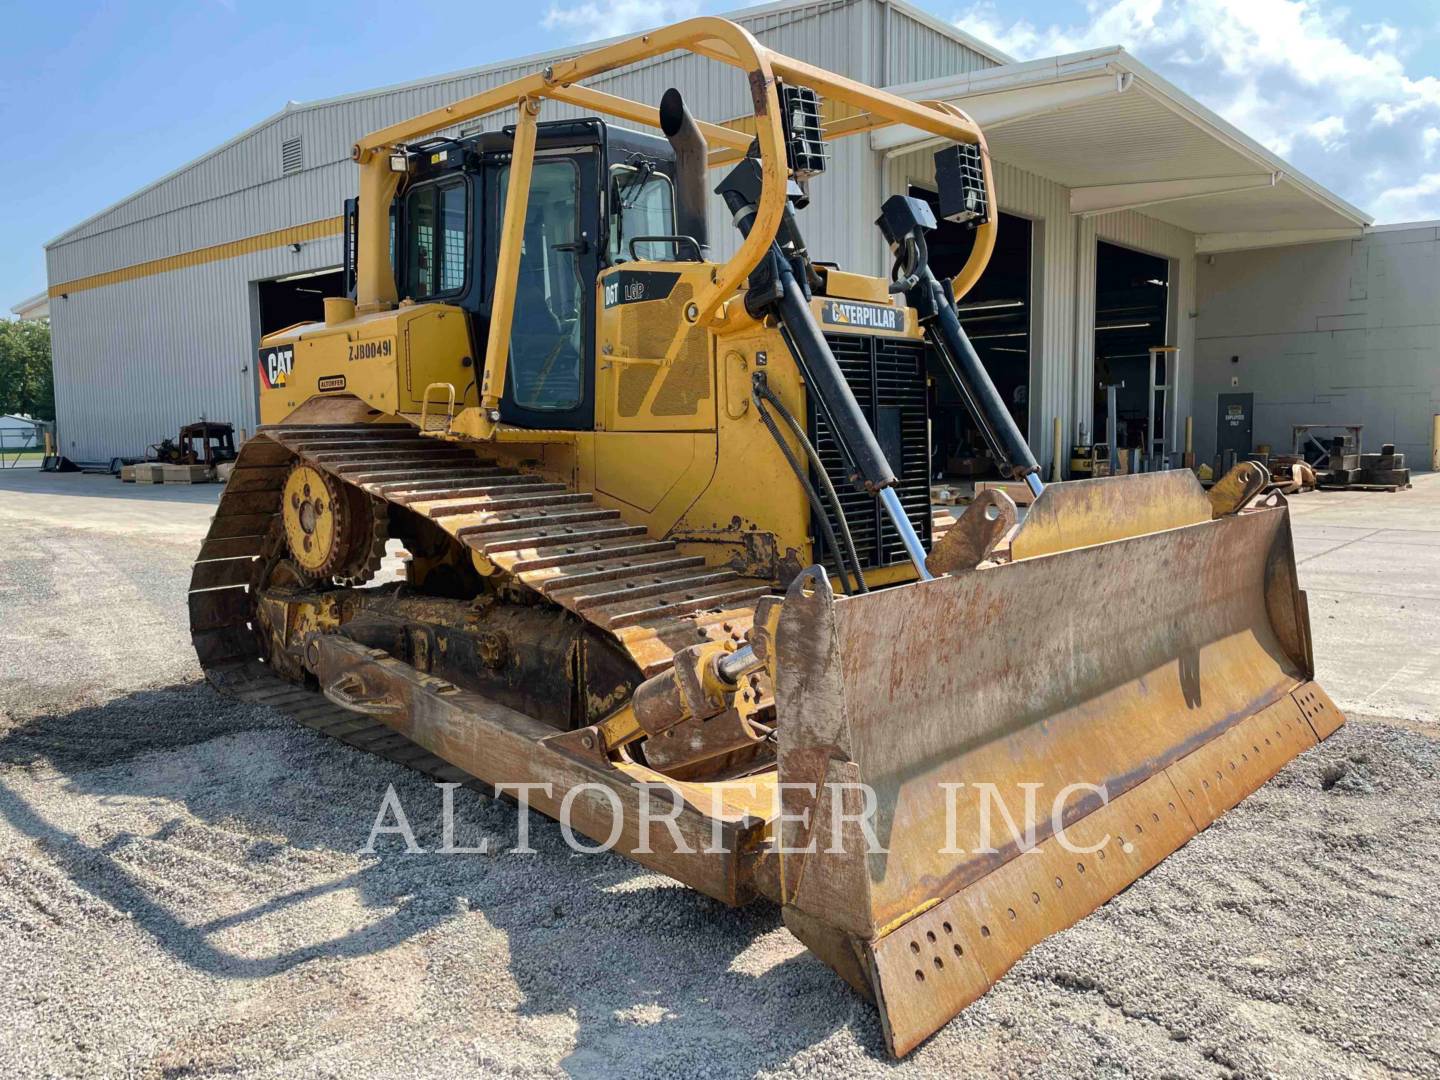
x,y
334,531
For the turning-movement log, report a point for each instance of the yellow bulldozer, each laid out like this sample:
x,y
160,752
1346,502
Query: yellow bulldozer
x,y
672,572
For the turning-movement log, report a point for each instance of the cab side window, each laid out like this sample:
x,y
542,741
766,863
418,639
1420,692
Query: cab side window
x,y
435,239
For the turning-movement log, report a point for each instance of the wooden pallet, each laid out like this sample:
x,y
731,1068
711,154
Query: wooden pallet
x,y
1362,487
186,474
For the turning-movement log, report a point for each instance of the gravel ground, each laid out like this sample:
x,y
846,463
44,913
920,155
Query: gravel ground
x,y
182,892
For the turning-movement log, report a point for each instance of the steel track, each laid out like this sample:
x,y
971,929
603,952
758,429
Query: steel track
x,y
558,543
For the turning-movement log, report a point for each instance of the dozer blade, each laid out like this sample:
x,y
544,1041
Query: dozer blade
x,y
1113,699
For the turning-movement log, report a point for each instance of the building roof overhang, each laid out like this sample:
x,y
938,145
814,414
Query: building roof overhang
x,y
34,307
1120,137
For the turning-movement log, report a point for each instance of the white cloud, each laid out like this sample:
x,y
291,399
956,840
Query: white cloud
x,y
1382,35
1419,201
1329,132
1430,141
1299,76
592,20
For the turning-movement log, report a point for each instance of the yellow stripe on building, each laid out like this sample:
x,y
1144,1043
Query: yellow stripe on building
x,y
296,234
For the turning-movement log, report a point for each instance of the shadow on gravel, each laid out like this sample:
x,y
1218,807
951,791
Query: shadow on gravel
x,y
148,720
100,486
657,977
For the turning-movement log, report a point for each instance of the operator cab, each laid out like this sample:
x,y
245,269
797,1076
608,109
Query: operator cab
x,y
599,196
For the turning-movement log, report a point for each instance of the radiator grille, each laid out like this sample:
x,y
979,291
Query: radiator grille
x,y
887,376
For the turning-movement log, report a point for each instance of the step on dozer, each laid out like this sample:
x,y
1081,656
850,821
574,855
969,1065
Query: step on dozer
x,y
671,570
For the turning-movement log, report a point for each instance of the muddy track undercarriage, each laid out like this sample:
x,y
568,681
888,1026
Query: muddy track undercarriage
x,y
574,598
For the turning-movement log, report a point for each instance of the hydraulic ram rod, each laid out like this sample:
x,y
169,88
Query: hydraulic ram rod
x,y
970,379
904,221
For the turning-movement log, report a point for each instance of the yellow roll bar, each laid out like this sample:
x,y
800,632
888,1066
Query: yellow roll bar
x,y
717,39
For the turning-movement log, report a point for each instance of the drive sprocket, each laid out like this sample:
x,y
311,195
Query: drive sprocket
x,y
334,531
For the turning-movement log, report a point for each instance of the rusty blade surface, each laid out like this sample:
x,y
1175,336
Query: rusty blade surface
x,y
1099,666
1081,513
929,968
1131,690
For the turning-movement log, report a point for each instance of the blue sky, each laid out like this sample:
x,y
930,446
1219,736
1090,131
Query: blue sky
x,y
98,100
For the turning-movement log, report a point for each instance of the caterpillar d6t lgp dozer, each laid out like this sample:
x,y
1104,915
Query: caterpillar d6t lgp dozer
x,y
671,554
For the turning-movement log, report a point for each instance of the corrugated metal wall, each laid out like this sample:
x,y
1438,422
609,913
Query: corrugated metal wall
x,y
1062,335
1346,332
1047,205
134,361
917,52
185,334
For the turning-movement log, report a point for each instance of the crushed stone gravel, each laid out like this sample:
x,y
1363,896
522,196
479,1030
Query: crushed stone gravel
x,y
183,892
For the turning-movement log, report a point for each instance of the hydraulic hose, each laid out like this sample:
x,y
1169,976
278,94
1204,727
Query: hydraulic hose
x,y
816,506
761,389
774,290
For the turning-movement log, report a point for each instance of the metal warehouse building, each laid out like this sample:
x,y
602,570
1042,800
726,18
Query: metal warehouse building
x,y
1119,193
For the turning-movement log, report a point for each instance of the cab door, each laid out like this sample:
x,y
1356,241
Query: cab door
x,y
550,379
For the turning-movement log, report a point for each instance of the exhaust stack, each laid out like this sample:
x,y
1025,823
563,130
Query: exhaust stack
x,y
691,154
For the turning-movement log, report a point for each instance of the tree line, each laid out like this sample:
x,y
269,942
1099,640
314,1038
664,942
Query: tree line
x,y
27,381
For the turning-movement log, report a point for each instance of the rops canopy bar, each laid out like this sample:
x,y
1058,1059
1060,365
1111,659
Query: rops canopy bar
x,y
717,39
